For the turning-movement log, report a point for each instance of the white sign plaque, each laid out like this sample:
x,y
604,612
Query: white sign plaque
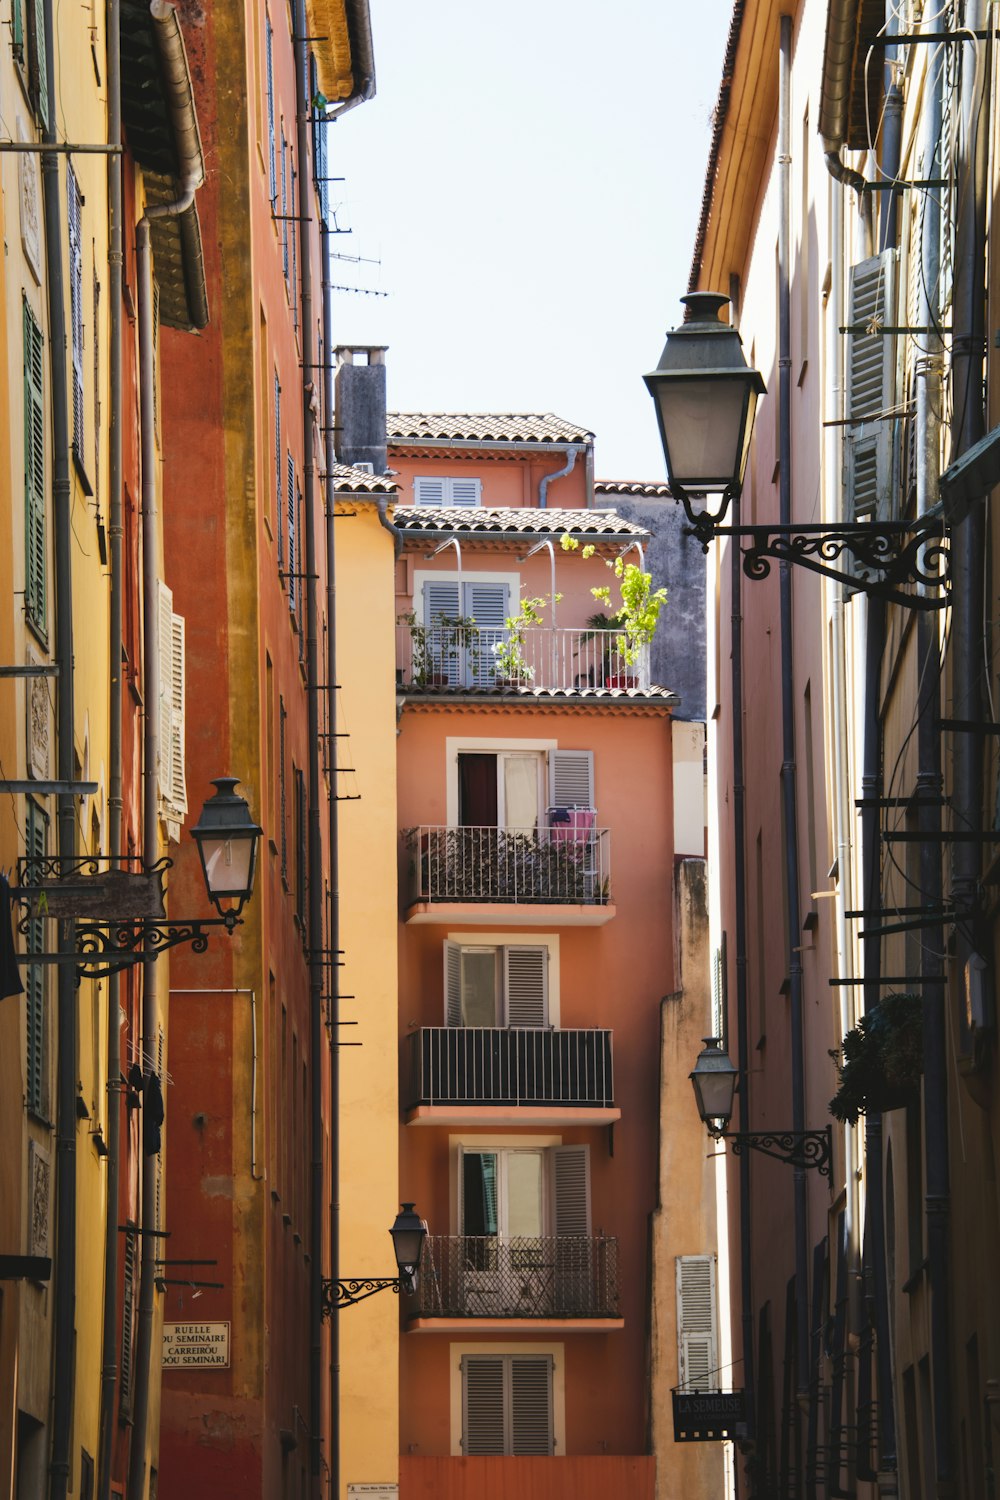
x,y
195,1345
373,1492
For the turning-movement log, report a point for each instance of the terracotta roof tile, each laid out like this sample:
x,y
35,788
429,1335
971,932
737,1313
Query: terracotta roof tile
x,y
350,481
486,427
654,489
481,520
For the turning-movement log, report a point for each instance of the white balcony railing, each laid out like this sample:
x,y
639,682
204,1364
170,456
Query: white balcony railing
x,y
463,655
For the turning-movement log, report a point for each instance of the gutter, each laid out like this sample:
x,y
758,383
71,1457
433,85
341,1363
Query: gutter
x,y
181,108
599,538
484,445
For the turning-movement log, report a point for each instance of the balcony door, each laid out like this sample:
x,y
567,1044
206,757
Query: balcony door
x,y
515,1205
501,789
496,987
461,654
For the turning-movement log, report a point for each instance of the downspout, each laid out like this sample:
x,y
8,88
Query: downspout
x,y
185,129
333,834
543,486
843,901
64,1320
788,768
928,386
314,842
381,505
113,1046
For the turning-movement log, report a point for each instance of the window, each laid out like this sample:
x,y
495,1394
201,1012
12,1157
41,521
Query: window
x,y
508,789
507,1404
503,986
319,128
870,385
290,509
456,490
282,805
36,847
697,1359
300,845
74,204
173,786
34,475
278,486
32,67
528,1193
284,203
460,655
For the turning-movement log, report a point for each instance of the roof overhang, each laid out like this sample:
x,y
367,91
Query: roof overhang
x,y
341,33
852,26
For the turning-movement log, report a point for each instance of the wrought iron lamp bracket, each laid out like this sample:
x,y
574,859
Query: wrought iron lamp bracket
x,y
338,1294
797,1148
890,558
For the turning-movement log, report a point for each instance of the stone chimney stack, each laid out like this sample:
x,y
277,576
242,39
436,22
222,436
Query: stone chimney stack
x,y
359,398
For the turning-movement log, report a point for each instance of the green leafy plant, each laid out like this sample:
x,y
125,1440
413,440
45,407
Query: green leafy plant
x,y
437,648
882,1058
508,654
639,611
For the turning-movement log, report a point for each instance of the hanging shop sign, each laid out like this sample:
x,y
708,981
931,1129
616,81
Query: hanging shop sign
x,y
709,1416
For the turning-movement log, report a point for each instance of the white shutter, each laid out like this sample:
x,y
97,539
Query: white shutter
x,y
487,604
531,1404
178,782
871,360
444,651
525,983
571,778
165,646
571,1189
452,984
440,599
483,1425
428,491
464,491
697,1359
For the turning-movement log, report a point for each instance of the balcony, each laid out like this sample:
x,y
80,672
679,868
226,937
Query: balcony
x,y
559,1279
525,1075
459,655
535,876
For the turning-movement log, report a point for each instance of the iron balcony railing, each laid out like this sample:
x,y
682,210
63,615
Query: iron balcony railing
x,y
463,654
473,1065
567,862
484,1276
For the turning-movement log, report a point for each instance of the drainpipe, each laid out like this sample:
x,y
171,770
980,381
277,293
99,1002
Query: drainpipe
x,y
64,1321
788,769
381,506
928,384
314,845
185,130
113,1045
543,487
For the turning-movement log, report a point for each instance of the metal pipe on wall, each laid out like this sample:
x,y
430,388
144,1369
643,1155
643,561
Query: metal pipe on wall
x,y
314,842
109,1335
64,1319
788,766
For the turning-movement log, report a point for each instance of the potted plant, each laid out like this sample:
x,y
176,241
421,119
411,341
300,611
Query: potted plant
x,y
880,1063
512,667
437,650
637,615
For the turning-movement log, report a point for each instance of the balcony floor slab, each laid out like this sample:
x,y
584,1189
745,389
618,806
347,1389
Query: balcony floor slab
x,y
510,1114
509,914
515,1325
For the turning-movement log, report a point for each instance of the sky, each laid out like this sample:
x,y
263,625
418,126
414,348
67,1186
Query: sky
x,y
525,189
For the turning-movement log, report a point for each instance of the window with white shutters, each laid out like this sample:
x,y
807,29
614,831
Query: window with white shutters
x,y
452,490
272,175
36,841
571,778
871,359
284,203
279,488
462,655
172,779
697,1340
292,554
502,986
507,1404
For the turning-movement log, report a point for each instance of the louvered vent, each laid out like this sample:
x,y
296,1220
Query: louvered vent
x,y
571,778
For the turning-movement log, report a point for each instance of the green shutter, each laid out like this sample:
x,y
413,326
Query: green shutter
x,y
41,63
34,473
17,30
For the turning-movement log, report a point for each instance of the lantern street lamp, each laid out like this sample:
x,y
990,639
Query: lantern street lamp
x,y
408,1233
227,839
706,398
714,1080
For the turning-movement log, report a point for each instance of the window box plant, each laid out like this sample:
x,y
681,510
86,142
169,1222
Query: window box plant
x,y
881,1061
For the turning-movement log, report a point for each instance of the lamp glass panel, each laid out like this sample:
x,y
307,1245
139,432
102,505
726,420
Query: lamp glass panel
x,y
702,424
715,1094
227,865
407,1244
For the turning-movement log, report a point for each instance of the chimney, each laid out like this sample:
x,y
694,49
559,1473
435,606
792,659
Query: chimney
x,y
359,396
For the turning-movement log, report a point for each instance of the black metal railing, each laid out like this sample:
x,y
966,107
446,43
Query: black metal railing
x,y
470,1065
558,864
483,1276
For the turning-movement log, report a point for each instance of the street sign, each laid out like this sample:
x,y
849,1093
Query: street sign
x,y
195,1345
112,896
709,1416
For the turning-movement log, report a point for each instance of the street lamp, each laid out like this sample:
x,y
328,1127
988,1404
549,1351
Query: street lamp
x,y
706,398
408,1233
227,839
714,1082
